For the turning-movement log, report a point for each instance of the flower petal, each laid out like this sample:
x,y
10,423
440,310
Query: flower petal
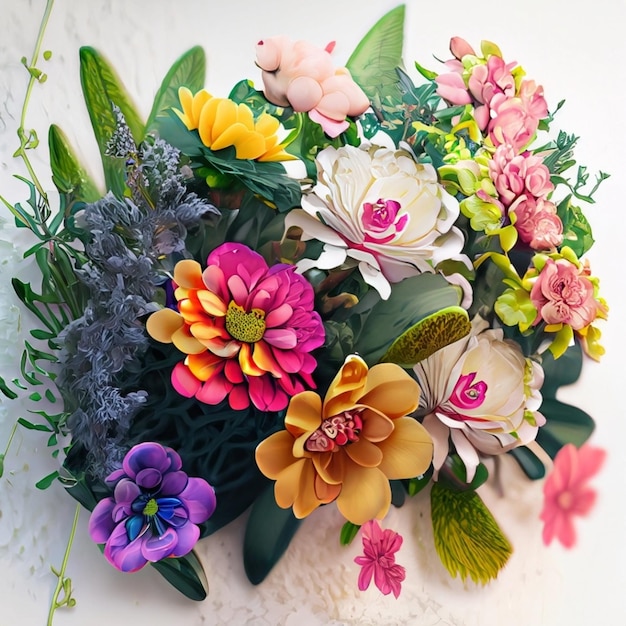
x,y
408,451
365,494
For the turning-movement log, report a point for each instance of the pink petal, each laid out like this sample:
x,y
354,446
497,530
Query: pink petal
x,y
185,383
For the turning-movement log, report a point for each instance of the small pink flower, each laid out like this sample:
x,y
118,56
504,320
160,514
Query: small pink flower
x,y
566,493
516,174
492,80
451,87
564,294
378,559
538,224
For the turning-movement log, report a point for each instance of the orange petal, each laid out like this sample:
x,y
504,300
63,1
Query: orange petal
x,y
324,492
365,494
211,303
203,365
408,451
376,427
390,390
191,310
163,324
186,343
346,387
364,453
273,454
306,499
188,274
288,483
263,359
331,466
246,363
304,413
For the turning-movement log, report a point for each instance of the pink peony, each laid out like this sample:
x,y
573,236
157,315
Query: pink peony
x,y
538,224
516,174
379,560
566,493
563,293
450,87
516,120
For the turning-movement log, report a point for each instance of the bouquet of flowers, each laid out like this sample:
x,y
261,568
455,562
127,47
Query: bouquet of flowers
x,y
340,287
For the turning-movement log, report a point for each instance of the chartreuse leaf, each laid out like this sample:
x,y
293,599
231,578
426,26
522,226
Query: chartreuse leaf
x,y
468,540
373,63
268,533
101,89
185,574
429,335
188,71
68,175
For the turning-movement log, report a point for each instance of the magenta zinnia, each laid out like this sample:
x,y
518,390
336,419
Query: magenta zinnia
x,y
247,329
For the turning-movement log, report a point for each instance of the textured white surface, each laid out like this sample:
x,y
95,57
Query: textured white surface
x,y
576,50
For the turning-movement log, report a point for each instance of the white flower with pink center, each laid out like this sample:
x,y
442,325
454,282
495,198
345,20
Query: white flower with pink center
x,y
380,210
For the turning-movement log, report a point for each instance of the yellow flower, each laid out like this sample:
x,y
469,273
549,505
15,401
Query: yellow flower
x,y
348,446
222,123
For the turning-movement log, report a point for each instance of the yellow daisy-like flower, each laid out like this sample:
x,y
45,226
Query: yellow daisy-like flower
x,y
222,123
348,446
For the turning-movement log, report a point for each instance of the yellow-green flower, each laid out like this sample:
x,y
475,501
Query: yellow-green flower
x,y
222,123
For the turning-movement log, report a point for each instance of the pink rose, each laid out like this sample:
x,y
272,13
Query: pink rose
x,y
564,294
538,224
516,174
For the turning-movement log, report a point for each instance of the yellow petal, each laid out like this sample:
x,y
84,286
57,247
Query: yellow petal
x,y
365,494
203,365
225,117
390,390
277,154
246,363
163,324
188,274
364,453
408,451
306,499
267,125
204,331
206,121
251,146
191,309
234,133
346,387
245,117
304,413
186,99
212,303
273,454
199,101
186,343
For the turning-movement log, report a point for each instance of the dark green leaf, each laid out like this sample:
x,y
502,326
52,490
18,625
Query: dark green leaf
x,y
376,57
532,466
562,371
268,533
101,89
453,474
398,494
6,390
30,426
348,532
185,574
188,71
564,424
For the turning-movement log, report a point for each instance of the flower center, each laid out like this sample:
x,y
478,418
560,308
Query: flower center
x,y
246,327
335,432
467,395
565,500
377,217
151,508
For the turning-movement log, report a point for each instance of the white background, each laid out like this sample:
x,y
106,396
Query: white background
x,y
576,50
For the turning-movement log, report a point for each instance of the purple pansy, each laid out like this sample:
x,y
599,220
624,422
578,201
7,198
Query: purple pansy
x,y
154,511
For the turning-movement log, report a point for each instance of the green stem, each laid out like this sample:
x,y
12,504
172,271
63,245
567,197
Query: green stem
x,y
21,132
63,584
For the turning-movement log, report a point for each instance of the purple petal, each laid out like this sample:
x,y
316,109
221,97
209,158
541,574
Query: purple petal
x,y
148,478
173,483
199,499
188,536
145,455
113,477
101,522
125,556
126,492
157,548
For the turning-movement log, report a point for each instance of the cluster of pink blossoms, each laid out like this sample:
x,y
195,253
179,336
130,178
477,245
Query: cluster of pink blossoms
x,y
508,110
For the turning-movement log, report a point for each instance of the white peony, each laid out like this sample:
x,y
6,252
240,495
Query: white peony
x,y
381,210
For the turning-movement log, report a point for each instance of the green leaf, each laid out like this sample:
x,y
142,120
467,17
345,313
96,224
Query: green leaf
x,y
67,174
30,426
415,485
564,424
427,336
411,301
348,532
268,533
530,463
453,474
186,574
101,89
468,540
562,371
6,390
373,63
45,482
188,71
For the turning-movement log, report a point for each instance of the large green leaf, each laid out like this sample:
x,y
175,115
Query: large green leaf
x,y
373,63
101,89
562,371
564,424
185,574
467,538
411,301
268,533
188,71
68,176
530,463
